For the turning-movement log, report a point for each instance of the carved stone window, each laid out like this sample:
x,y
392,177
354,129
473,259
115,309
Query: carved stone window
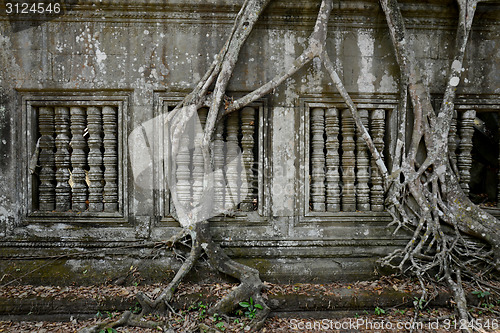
x,y
76,156
246,129
340,175
474,138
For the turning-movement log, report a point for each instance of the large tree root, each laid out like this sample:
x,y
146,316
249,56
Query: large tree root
x,y
251,286
424,194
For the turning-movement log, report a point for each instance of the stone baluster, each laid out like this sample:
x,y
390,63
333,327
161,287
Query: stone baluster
x,y
465,148
348,162
46,159
377,134
363,167
218,148
183,174
332,160
94,125
247,144
110,141
498,178
62,159
232,176
78,160
198,162
452,138
318,159
183,171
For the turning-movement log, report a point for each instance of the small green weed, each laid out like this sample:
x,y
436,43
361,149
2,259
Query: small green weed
x,y
201,308
379,311
108,330
136,308
110,315
220,325
218,322
481,294
418,302
251,308
488,307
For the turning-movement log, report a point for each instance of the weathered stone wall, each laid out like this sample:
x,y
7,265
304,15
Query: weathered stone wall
x,y
147,53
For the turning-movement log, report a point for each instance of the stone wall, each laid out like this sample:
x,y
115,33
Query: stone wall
x,y
139,58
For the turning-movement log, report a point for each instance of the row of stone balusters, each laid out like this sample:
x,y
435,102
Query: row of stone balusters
x,y
65,155
340,178
461,145
237,125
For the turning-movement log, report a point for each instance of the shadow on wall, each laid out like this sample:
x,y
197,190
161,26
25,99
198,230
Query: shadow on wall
x,y
197,194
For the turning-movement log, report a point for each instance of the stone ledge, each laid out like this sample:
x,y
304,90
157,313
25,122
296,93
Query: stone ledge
x,y
304,303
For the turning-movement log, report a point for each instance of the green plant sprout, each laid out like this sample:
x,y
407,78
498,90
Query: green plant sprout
x,y
481,294
251,308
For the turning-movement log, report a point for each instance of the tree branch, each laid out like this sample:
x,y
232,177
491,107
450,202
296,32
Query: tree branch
x,y
354,112
250,15
316,44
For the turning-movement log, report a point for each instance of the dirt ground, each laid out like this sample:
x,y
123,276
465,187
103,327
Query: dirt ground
x,y
486,311
369,324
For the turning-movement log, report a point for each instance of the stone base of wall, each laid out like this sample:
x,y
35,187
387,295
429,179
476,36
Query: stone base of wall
x,y
126,268
308,300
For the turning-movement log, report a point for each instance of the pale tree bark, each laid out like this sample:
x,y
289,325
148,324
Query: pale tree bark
x,y
425,194
422,196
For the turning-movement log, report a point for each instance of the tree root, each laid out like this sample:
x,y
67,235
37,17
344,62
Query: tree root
x,y
251,286
126,319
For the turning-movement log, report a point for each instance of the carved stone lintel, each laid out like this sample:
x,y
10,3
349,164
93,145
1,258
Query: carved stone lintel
x,y
377,133
318,159
78,160
348,162
465,149
363,165
94,125
332,129
46,159
110,160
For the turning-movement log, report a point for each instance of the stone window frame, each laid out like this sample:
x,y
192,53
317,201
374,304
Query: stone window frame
x,y
32,99
259,216
481,103
305,216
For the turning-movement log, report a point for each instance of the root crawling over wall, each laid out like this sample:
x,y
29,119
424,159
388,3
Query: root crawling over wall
x,y
423,195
